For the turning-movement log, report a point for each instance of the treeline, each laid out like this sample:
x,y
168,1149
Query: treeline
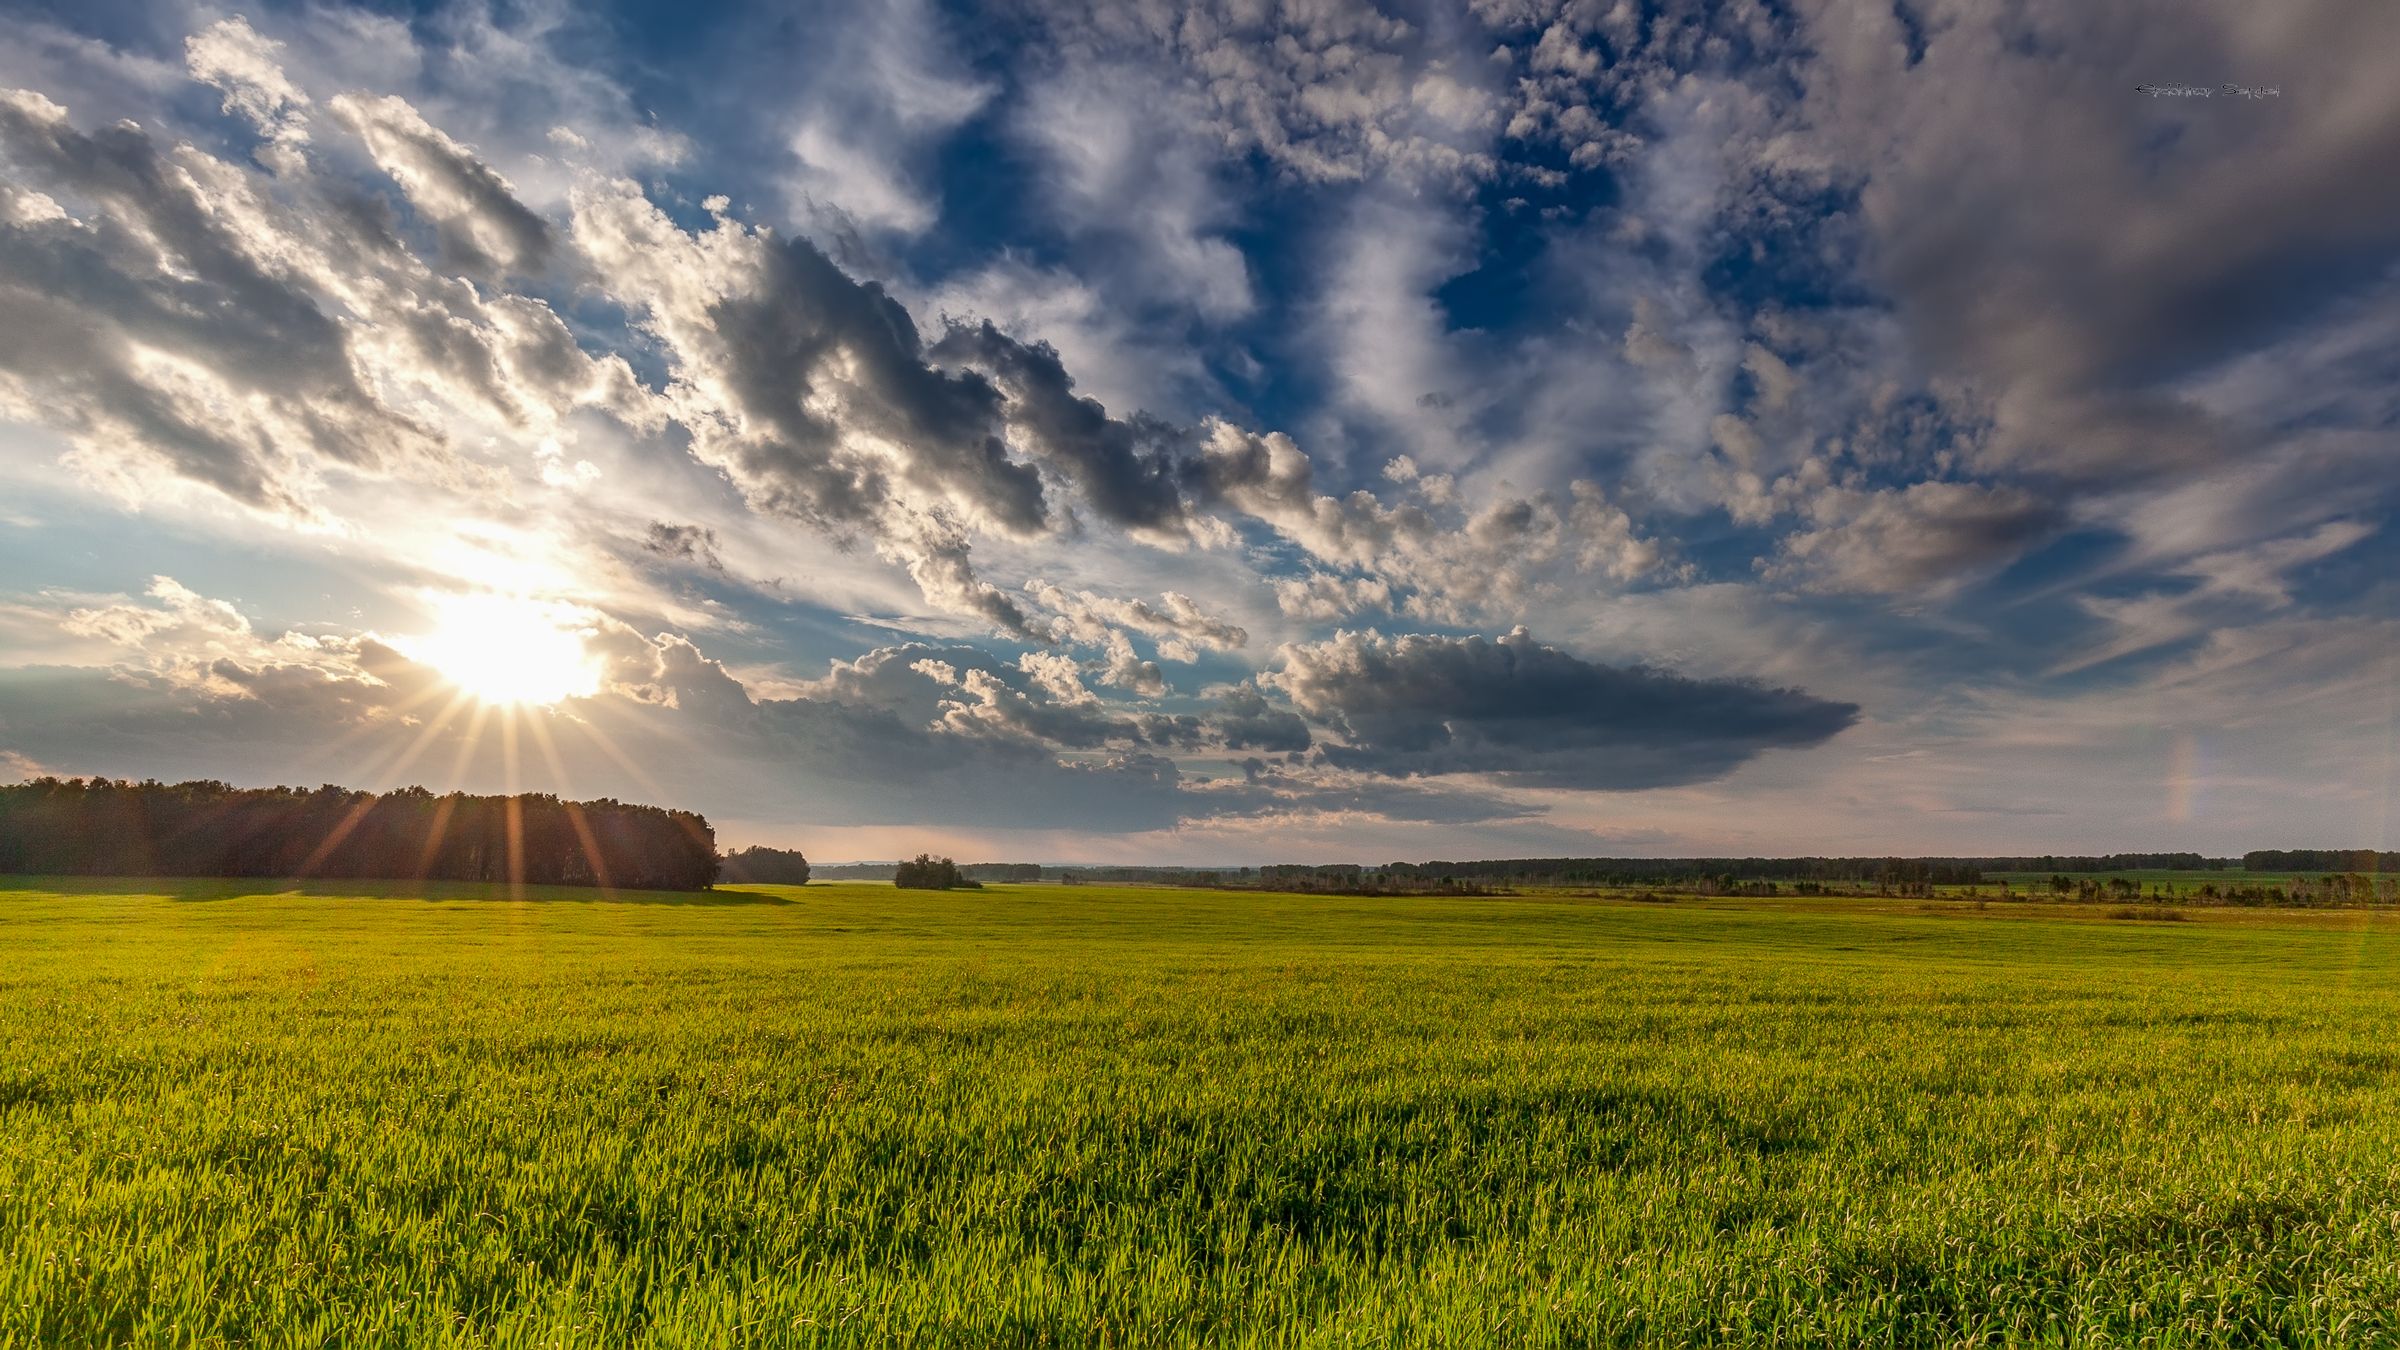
x,y
1892,872
1154,876
2319,860
766,866
2107,862
102,827
2330,890
978,872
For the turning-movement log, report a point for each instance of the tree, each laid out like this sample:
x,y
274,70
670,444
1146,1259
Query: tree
x,y
928,873
105,827
761,865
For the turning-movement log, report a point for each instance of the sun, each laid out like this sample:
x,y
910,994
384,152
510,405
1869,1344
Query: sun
x,y
508,649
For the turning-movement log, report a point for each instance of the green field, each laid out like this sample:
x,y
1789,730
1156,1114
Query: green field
x,y
235,1115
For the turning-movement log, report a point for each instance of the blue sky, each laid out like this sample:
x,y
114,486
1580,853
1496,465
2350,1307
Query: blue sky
x,y
1218,432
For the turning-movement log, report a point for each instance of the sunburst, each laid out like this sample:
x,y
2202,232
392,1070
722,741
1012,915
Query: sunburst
x,y
508,650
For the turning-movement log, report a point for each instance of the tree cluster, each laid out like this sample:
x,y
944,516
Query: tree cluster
x,y
1884,873
761,865
1004,872
2104,862
2320,860
102,827
927,873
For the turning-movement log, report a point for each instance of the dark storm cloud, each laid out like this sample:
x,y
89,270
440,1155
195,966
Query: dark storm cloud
x,y
1423,705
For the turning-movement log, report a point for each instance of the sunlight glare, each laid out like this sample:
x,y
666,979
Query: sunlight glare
x,y
508,649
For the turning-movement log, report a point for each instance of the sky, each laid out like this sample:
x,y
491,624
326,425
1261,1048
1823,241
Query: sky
x,y
1219,432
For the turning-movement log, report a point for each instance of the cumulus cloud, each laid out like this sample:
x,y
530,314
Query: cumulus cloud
x,y
1327,93
1249,722
232,56
248,332
1422,704
1443,561
484,228
157,327
914,733
1177,619
1127,469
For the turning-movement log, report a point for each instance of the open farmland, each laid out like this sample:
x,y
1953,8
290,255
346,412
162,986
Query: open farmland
x,y
843,1114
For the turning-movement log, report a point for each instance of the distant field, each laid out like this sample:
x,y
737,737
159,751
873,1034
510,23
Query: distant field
x,y
1095,1116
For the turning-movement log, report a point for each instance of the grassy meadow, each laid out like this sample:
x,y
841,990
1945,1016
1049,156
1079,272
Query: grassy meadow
x,y
235,1114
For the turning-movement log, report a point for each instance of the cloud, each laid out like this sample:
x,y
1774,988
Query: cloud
x,y
1438,559
813,392
233,57
863,96
1741,339
684,543
331,347
1325,93
1139,194
157,326
1426,705
484,229
1249,722
1318,797
2077,246
1081,616
253,333
2232,584
912,734
1126,470
1908,541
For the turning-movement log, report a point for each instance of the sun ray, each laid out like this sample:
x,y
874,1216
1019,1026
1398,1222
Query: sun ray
x,y
548,744
359,730
433,836
617,755
514,812
420,743
398,764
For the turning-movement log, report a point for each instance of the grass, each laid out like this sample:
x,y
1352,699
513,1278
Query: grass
x,y
1095,1116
